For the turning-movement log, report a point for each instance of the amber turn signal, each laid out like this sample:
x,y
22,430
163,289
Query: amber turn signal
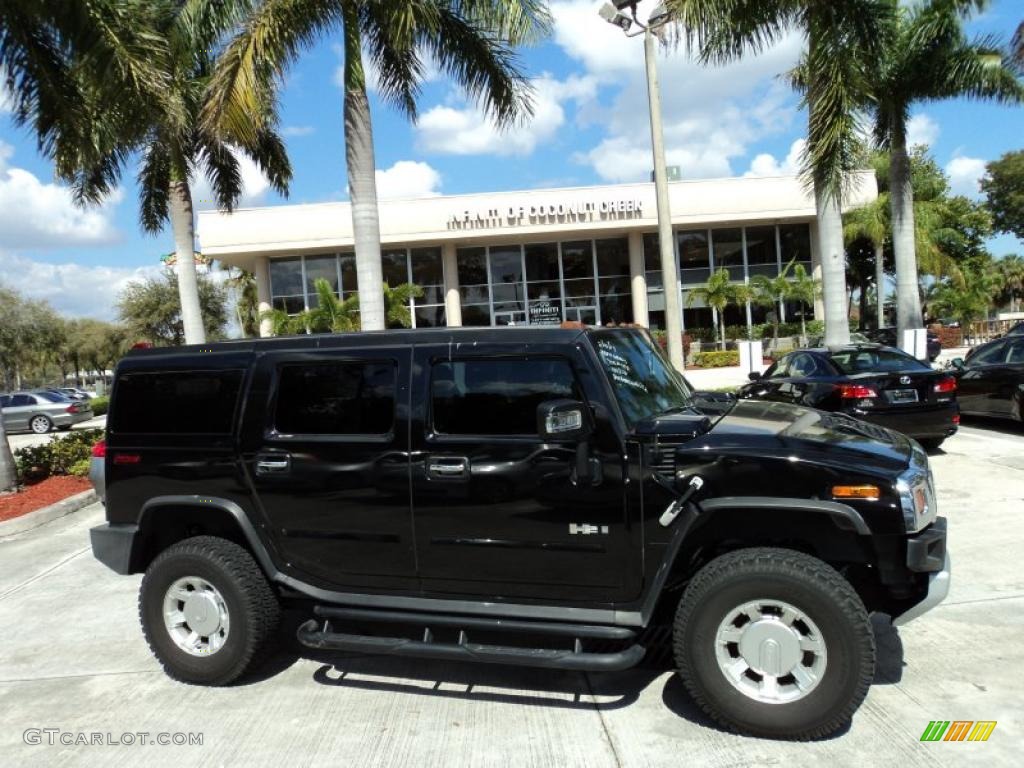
x,y
867,492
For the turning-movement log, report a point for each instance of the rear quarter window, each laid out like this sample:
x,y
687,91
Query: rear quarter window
x,y
176,402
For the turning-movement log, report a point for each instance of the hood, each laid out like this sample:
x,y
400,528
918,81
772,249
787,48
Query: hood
x,y
780,429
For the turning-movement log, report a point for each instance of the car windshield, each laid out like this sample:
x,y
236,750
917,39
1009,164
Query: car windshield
x,y
876,360
644,382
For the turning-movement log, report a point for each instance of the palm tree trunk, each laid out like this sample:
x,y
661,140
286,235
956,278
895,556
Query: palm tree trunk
x,y
880,285
8,471
908,302
863,302
362,183
833,268
721,327
180,208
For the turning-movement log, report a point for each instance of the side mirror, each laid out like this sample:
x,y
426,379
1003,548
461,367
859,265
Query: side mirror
x,y
569,421
958,363
754,375
564,420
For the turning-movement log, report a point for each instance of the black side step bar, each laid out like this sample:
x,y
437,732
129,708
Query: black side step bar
x,y
312,635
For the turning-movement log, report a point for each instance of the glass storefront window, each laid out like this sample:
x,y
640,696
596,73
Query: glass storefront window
x,y
728,250
652,261
395,266
349,281
542,262
795,240
762,257
694,267
286,276
320,268
612,257
577,260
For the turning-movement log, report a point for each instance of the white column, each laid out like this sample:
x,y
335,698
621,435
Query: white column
x,y
452,301
261,269
637,279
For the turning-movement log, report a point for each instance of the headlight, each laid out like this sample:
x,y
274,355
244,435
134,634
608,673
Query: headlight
x,y
917,498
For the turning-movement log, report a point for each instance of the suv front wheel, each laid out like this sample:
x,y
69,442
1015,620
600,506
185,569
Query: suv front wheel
x,y
774,643
207,611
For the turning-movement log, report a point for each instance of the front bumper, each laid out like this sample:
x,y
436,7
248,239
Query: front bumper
x,y
927,553
112,545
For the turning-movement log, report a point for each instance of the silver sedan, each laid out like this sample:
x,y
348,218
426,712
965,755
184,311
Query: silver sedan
x,y
41,412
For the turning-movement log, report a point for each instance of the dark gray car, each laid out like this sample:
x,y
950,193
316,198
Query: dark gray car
x,y
41,412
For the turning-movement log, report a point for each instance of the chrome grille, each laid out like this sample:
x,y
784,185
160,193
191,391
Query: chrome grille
x,y
661,457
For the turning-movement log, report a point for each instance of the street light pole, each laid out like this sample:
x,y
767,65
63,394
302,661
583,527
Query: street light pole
x,y
670,277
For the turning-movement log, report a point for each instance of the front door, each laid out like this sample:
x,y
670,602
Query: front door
x,y
497,510
977,387
328,460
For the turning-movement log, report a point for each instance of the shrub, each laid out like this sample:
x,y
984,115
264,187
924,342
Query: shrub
x,y
717,359
100,405
80,468
58,457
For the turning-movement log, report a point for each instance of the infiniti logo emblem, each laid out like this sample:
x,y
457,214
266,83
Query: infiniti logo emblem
x,y
904,379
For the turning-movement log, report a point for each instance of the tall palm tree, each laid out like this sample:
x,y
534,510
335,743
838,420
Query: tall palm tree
x,y
174,146
926,56
1011,273
842,35
718,293
468,40
805,289
871,222
771,292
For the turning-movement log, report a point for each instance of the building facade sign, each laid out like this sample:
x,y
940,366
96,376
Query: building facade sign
x,y
575,211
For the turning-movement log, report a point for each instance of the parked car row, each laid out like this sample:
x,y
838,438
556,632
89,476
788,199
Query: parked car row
x,y
42,411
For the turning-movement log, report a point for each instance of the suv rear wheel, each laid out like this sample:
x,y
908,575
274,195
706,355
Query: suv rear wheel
x,y
207,611
774,643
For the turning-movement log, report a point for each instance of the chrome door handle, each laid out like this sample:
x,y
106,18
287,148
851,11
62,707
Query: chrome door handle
x,y
273,466
454,467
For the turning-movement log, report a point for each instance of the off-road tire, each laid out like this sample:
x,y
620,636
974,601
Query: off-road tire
x,y
253,608
816,589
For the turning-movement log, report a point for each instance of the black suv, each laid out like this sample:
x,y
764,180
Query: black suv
x,y
518,496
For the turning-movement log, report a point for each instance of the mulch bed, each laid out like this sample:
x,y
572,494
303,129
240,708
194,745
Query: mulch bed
x,y
42,494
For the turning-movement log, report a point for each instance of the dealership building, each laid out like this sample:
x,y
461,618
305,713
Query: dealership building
x,y
537,256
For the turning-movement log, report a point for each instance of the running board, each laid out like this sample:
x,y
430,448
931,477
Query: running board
x,y
312,635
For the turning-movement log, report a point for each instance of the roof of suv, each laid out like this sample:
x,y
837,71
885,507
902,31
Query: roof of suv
x,y
509,334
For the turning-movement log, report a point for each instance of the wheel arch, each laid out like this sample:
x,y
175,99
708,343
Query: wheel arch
x,y
166,520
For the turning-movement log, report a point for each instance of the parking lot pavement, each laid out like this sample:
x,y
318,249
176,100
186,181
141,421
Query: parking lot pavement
x,y
73,658
23,440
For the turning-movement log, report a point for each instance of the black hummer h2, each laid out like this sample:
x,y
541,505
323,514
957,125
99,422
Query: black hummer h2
x,y
517,496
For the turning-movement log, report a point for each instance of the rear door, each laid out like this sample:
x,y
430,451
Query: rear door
x,y
325,447
978,383
20,411
496,508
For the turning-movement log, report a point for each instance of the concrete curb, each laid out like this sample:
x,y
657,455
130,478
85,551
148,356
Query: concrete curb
x,y
47,514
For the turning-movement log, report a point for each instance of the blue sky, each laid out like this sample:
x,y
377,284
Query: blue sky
x,y
589,127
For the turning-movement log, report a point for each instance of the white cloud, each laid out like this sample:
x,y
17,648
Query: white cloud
x,y
298,130
41,215
254,186
406,179
921,129
711,115
766,164
72,289
965,174
466,130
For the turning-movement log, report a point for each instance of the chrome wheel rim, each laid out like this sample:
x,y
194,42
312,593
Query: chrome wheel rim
x,y
196,616
40,425
770,651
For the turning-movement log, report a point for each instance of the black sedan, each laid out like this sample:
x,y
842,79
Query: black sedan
x,y
888,336
992,380
872,382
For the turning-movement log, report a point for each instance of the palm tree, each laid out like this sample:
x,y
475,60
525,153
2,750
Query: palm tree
x,y
805,289
334,315
1017,46
926,56
771,292
1011,274
242,285
173,145
870,222
396,304
468,41
842,36
718,293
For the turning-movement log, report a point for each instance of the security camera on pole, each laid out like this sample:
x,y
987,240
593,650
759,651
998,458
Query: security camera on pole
x,y
612,12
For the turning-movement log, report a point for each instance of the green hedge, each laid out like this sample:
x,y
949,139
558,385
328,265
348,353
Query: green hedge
x,y
67,455
717,359
100,405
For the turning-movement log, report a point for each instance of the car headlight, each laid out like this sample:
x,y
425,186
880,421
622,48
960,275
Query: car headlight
x,y
917,498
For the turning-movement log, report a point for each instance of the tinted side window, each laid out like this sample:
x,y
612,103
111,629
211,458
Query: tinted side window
x,y
802,365
994,354
779,370
176,402
20,401
1016,354
344,398
497,397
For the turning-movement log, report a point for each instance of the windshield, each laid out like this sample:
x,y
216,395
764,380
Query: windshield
x,y
876,361
645,384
